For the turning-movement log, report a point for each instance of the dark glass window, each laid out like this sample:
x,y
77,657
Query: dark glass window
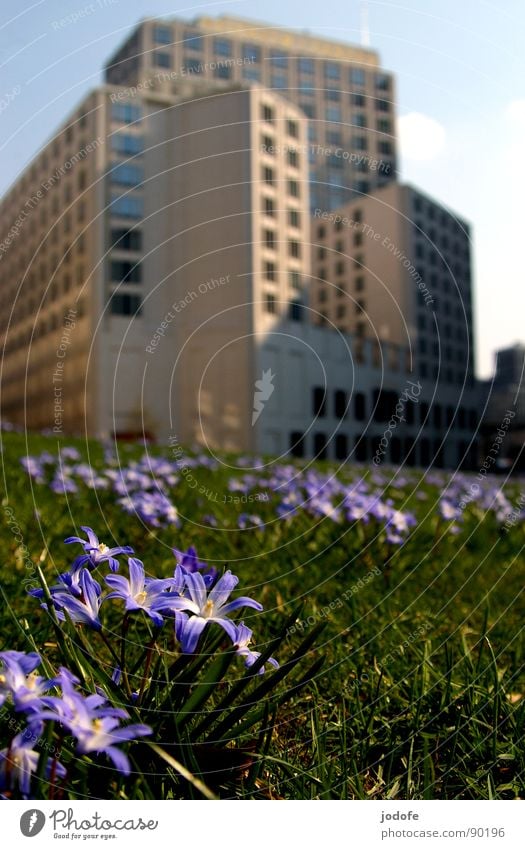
x,y
319,401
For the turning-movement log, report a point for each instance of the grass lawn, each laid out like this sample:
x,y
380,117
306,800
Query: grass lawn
x,y
419,695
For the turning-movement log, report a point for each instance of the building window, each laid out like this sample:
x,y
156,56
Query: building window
x,y
319,401
361,186
359,119
128,206
162,35
251,73
358,100
122,304
268,175
382,82
193,40
385,147
293,158
384,125
270,271
360,406
125,272
357,76
269,207
382,106
127,174
333,95
292,128
278,60
293,188
193,66
305,65
267,113
340,268
161,60
126,144
294,218
296,444
126,240
294,279
295,311
125,113
268,145
308,109
332,70
269,239
279,81
251,52
340,403
333,114
270,304
222,47
360,142
222,72
294,249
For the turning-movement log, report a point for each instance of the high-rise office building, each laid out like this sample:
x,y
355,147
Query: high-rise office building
x,y
343,91
150,235
395,265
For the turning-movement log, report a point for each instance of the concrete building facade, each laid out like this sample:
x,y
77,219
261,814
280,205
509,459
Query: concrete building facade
x,y
347,97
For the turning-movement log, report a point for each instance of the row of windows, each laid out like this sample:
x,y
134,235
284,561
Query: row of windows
x,y
423,452
193,40
382,406
447,374
42,327
270,243
434,213
294,309
269,177
269,208
270,273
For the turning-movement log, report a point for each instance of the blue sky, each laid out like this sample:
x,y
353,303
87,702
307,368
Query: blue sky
x,y
460,70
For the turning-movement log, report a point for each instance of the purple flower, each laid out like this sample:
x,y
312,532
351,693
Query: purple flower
x,y
19,680
448,510
97,552
84,609
242,641
148,594
207,608
94,724
20,760
189,563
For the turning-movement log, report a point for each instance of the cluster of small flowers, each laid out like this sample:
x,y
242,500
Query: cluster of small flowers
x,y
193,598
90,720
324,496
141,486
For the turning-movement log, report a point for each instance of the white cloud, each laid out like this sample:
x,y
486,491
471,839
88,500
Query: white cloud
x,y
421,138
